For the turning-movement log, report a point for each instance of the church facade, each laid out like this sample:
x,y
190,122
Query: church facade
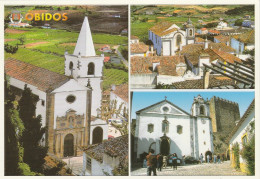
x,y
67,103
168,129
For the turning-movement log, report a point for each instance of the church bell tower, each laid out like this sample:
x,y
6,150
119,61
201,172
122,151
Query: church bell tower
x,y
200,107
85,66
190,32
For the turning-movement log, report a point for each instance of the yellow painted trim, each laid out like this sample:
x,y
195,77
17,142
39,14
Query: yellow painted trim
x,y
245,134
243,168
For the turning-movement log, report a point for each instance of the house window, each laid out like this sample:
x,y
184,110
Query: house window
x,y
150,128
43,103
204,143
165,126
178,40
91,68
70,98
203,131
179,129
202,110
244,139
88,166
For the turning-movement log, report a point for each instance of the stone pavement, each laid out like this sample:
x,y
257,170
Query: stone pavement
x,y
75,164
223,169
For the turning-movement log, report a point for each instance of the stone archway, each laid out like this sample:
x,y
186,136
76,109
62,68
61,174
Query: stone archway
x,y
208,153
68,145
165,145
97,135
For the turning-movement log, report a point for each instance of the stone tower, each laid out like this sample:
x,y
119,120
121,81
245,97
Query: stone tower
x,y
190,32
85,66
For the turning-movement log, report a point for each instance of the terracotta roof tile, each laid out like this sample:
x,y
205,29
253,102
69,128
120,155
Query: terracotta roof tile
x,y
227,56
41,78
162,28
139,48
247,37
222,38
198,84
167,66
122,91
116,147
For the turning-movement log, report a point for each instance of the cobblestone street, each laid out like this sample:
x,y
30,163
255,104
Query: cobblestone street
x,y
223,169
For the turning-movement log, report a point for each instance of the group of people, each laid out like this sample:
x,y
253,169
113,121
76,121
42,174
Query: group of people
x,y
216,158
159,161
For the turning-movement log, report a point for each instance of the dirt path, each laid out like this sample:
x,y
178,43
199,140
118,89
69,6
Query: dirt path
x,y
14,31
35,44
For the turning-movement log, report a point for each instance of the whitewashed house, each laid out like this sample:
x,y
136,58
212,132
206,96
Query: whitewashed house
x,y
101,159
168,129
241,135
98,130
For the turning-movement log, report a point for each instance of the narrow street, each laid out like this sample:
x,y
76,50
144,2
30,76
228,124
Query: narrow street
x,y
120,55
223,169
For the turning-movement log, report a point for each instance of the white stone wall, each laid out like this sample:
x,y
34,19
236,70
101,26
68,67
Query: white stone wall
x,y
96,167
139,54
61,105
143,79
166,79
177,144
81,75
119,100
40,110
99,123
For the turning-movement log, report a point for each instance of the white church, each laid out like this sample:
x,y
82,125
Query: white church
x,y
168,129
68,103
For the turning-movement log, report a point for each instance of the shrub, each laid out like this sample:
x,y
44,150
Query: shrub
x,y
235,150
248,153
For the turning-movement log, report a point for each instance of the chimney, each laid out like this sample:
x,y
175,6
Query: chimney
x,y
206,45
113,87
206,79
155,64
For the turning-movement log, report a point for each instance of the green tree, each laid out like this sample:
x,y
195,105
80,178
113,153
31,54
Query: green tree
x,y
238,22
13,130
33,152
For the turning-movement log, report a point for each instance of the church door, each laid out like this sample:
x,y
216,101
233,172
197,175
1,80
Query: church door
x,y
165,147
69,145
97,135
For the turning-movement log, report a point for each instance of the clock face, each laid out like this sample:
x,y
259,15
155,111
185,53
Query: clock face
x,y
203,121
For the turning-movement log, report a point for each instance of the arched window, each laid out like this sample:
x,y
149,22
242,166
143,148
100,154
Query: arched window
x,y
179,129
71,66
91,68
165,126
178,40
190,32
202,110
150,128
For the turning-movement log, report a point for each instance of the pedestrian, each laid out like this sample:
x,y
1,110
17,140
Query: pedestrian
x,y
201,158
208,158
218,158
170,161
159,162
164,161
183,160
215,158
144,163
174,161
151,163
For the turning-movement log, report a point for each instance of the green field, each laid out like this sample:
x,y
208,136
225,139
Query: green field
x,y
45,48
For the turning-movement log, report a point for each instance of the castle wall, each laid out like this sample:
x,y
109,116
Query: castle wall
x,y
223,113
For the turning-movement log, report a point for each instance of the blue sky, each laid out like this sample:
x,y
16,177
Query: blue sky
x,y
184,99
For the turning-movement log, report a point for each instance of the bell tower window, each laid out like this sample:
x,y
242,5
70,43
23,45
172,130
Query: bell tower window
x,y
190,32
91,68
202,110
178,40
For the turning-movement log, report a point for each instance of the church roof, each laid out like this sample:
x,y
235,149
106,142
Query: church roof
x,y
163,28
116,147
85,46
141,110
41,78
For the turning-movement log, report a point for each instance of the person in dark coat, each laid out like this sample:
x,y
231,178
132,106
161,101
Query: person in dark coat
x,y
151,163
159,162
174,161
